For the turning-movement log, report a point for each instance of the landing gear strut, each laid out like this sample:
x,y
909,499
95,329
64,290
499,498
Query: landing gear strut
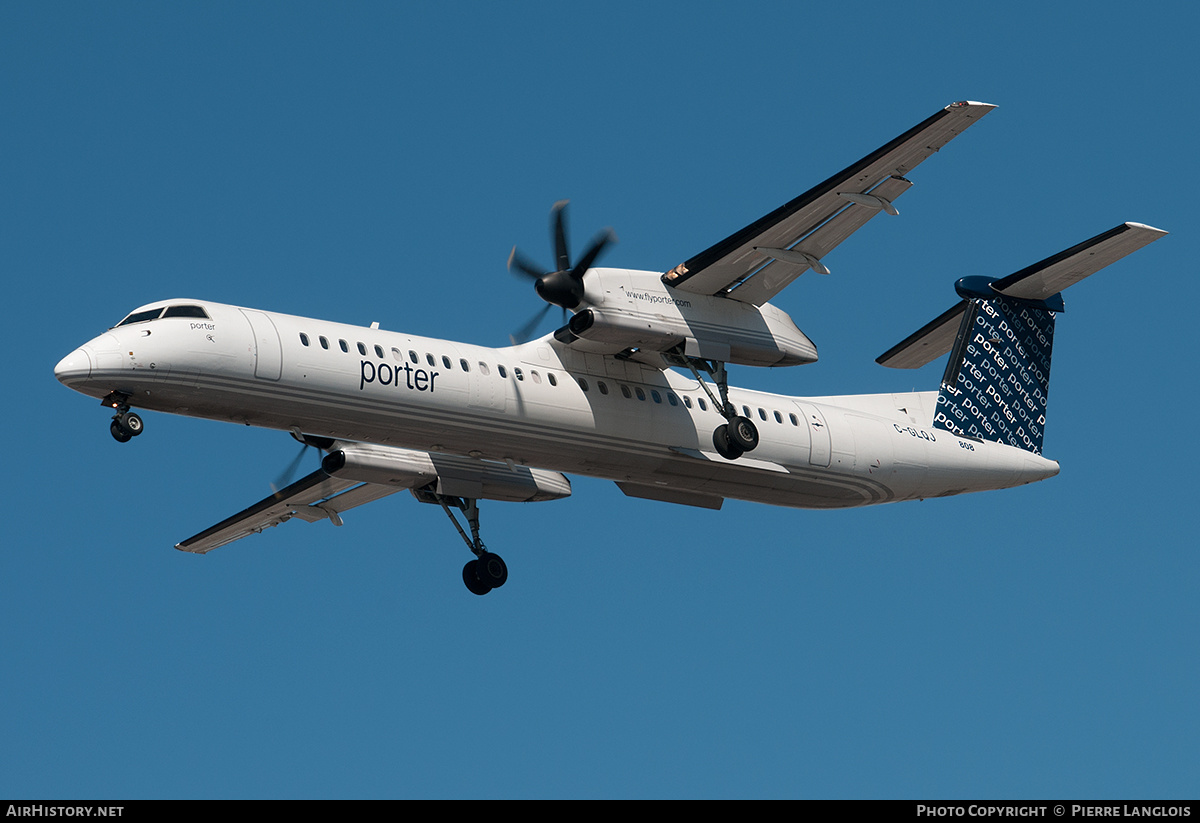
x,y
487,571
737,435
125,424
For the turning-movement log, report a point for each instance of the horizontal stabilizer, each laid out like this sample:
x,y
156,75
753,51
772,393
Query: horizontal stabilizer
x,y
1047,278
926,344
1039,282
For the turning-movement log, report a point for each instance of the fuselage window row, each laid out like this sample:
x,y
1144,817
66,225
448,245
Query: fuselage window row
x,y
536,377
398,356
655,395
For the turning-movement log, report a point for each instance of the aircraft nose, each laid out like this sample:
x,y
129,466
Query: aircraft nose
x,y
75,366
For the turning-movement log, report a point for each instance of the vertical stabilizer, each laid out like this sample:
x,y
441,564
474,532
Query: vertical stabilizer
x,y
998,377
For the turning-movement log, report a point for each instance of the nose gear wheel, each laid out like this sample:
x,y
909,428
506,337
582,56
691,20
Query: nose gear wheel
x,y
125,424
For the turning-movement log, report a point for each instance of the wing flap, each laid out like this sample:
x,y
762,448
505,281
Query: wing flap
x,y
778,273
360,495
734,259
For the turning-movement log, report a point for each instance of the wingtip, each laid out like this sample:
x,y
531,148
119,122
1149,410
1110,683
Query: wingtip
x,y
1144,227
972,104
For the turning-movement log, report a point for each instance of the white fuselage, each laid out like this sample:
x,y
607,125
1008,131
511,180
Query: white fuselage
x,y
540,404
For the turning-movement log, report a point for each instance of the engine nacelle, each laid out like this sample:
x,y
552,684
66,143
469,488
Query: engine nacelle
x,y
626,309
451,475
611,332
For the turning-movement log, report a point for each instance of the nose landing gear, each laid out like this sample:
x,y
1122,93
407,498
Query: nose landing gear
x,y
125,424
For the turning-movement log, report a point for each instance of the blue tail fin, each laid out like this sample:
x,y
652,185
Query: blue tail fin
x,y
996,383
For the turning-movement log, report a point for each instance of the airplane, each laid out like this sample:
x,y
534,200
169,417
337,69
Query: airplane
x,y
632,388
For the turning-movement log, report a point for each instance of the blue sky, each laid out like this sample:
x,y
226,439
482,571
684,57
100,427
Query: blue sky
x,y
363,162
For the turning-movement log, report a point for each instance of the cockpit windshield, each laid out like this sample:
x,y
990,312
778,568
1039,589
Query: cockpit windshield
x,y
167,311
142,316
185,311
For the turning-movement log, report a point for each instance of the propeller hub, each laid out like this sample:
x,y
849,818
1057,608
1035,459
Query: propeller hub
x,y
560,288
564,286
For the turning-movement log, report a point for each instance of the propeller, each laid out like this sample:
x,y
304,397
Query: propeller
x,y
307,441
562,287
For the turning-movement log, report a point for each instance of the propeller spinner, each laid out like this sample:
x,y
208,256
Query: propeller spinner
x,y
564,286
306,440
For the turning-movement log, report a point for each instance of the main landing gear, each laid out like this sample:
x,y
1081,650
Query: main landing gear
x,y
737,435
487,571
126,424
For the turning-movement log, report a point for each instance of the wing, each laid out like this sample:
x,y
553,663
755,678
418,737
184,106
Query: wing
x,y
756,263
1041,281
356,473
316,497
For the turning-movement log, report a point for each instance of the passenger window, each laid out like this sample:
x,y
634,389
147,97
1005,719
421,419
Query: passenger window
x,y
778,417
324,342
303,338
379,351
602,386
625,391
795,422
655,396
446,362
762,414
362,349
517,373
583,384
503,372
483,369
344,345
703,405
537,378
397,355
672,399
553,380
465,365
429,359
687,401
412,355
641,395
